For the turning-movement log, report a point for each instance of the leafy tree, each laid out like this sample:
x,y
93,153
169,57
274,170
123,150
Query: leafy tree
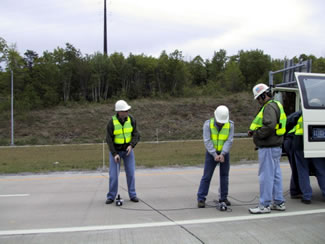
x,y
178,74
319,65
98,81
3,51
67,60
198,71
217,65
254,65
162,73
233,78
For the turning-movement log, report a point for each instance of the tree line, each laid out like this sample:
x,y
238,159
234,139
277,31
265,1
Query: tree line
x,y
66,75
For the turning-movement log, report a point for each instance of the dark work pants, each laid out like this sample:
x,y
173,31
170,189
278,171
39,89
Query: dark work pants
x,y
209,168
303,172
294,182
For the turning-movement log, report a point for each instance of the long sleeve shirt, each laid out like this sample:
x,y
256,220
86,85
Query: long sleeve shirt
x,y
266,136
114,148
208,141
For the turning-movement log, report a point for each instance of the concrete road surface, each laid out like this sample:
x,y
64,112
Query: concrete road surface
x,y
70,208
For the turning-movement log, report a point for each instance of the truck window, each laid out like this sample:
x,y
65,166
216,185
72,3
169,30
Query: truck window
x,y
313,92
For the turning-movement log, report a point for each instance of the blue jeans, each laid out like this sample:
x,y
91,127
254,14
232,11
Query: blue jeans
x,y
270,176
209,167
114,171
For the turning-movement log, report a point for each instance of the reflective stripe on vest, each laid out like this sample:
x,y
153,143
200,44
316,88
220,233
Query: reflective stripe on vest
x,y
219,137
280,127
299,127
122,133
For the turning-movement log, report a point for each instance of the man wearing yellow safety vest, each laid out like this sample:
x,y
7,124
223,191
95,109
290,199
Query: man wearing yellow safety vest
x,y
121,137
218,133
267,130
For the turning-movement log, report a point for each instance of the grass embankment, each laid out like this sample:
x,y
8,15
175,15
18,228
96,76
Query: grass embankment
x,y
90,157
157,119
165,119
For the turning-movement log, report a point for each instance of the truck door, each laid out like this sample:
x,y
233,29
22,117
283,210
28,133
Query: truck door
x,y
312,94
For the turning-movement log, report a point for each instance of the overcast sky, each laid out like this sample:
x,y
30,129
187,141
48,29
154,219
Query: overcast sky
x,y
281,28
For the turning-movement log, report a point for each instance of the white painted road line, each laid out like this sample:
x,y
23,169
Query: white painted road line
x,y
158,224
15,195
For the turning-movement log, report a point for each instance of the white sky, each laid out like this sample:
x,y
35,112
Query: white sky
x,y
281,28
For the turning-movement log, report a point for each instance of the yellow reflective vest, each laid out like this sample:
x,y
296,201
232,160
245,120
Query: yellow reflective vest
x,y
122,133
299,127
219,137
280,127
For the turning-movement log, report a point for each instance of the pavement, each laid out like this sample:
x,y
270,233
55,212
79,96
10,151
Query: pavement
x,y
70,207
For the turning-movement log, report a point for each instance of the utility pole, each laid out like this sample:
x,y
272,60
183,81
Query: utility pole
x,y
12,108
105,29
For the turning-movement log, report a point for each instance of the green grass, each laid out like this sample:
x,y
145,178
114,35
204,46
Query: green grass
x,y
90,157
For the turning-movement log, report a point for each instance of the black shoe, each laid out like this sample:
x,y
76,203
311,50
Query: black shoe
x,y
201,204
135,199
226,201
305,201
109,201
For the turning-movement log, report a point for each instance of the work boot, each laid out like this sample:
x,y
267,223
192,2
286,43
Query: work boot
x,y
135,199
226,201
109,201
306,201
201,204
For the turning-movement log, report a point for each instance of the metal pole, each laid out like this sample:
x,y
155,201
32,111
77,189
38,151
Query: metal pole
x,y
12,108
271,79
103,155
105,30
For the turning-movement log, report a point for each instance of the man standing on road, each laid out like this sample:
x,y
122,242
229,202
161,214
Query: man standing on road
x,y
267,130
121,137
218,133
288,146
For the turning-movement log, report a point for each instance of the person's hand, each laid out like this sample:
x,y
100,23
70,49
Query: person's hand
x,y
117,158
221,158
217,158
128,150
250,133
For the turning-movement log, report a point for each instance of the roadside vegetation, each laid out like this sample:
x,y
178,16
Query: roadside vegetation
x,y
66,97
43,159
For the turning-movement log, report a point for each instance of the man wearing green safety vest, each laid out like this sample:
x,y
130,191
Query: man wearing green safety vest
x,y
121,137
218,133
267,130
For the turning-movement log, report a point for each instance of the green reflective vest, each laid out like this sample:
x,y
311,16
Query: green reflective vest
x,y
299,127
280,127
122,133
219,137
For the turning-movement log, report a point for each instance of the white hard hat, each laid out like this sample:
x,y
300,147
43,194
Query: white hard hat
x,y
122,105
259,89
222,114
